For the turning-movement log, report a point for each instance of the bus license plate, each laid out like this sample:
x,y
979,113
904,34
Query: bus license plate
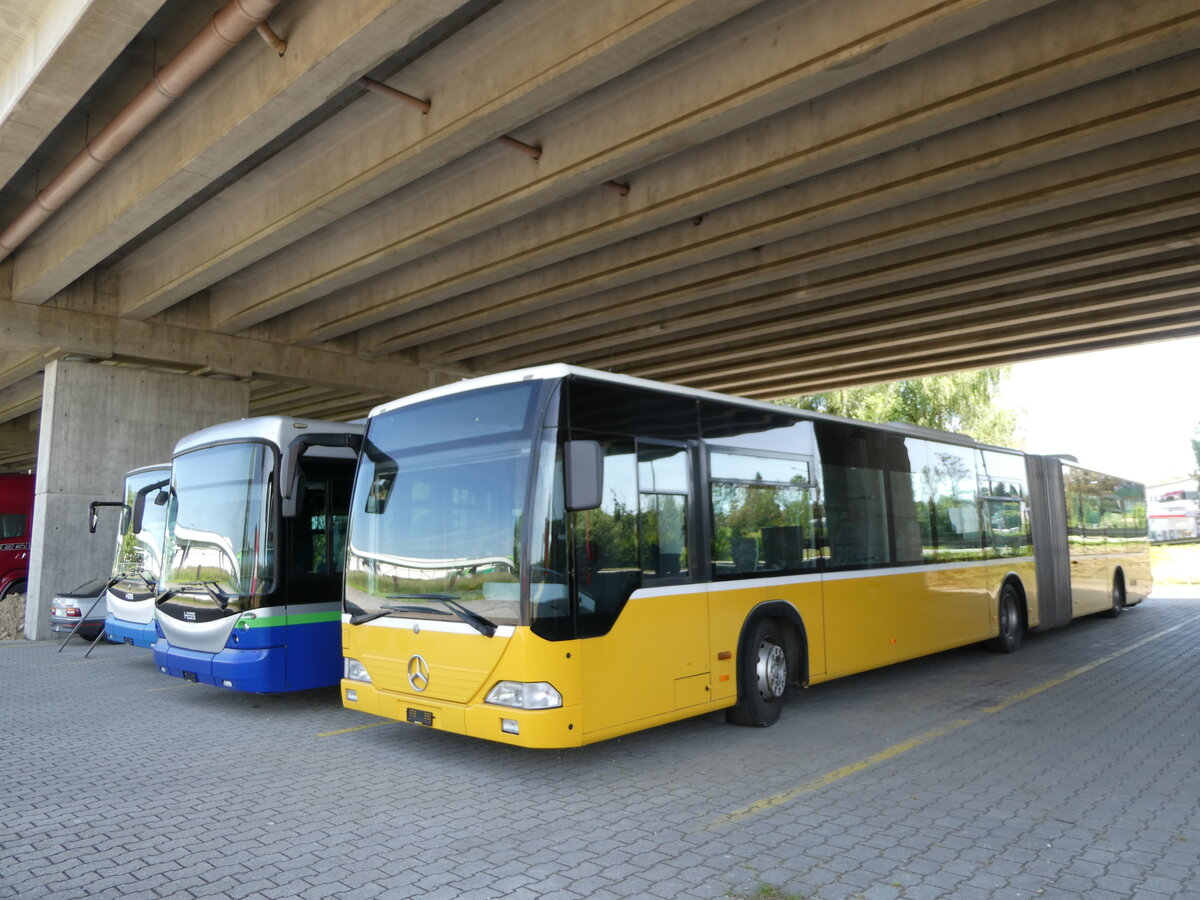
x,y
420,717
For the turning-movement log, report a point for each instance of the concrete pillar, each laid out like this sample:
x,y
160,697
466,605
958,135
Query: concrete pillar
x,y
98,422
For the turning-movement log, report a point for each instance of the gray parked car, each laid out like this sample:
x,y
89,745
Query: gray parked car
x,y
71,608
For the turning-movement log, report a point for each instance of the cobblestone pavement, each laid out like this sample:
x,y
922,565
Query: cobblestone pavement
x,y
1068,769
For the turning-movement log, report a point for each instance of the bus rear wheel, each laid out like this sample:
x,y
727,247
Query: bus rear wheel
x,y
762,676
1012,624
1118,597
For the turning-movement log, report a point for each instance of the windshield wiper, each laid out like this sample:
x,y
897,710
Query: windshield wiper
x,y
358,615
122,576
369,617
483,625
213,589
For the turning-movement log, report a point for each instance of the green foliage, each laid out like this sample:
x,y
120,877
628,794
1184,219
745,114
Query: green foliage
x,y
1196,452
963,402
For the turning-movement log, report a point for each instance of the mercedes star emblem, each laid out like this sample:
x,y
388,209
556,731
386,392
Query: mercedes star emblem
x,y
418,672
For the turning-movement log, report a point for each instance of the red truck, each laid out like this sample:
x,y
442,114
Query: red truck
x,y
16,523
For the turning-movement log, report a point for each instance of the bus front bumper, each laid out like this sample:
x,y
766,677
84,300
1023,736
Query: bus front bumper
x,y
136,634
535,728
261,670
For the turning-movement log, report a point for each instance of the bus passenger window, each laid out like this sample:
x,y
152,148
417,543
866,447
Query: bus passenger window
x,y
955,493
852,461
1007,532
912,524
762,513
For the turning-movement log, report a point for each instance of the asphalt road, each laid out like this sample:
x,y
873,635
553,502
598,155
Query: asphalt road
x,y
1067,769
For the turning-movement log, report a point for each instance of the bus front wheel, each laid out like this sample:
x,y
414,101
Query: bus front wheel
x,y
762,676
1012,624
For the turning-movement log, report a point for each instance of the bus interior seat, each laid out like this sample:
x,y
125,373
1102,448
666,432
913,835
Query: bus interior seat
x,y
745,553
783,546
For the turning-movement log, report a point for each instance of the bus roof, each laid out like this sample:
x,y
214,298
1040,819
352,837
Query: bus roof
x,y
556,371
156,467
277,430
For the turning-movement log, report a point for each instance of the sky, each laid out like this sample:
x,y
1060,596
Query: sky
x,y
1130,412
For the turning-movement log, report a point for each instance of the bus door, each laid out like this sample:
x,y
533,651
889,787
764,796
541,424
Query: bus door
x,y
315,560
642,609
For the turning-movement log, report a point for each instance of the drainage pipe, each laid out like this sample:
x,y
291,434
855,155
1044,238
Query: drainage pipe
x,y
229,25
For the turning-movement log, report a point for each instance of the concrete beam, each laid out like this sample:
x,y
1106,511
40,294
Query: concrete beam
x,y
874,196
982,356
1026,209
16,367
250,98
19,441
23,326
482,87
339,406
843,292
773,57
1057,311
994,72
288,402
53,51
21,399
990,259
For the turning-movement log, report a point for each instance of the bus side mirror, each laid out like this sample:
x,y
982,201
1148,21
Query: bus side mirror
x,y
161,496
139,510
93,518
583,464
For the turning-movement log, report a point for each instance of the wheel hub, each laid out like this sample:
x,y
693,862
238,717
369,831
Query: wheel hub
x,y
772,670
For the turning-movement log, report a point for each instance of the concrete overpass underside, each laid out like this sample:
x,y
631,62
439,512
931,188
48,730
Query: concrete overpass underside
x,y
763,198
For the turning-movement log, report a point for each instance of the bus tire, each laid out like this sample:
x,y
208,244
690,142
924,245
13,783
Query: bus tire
x,y
17,587
1118,597
762,676
1012,622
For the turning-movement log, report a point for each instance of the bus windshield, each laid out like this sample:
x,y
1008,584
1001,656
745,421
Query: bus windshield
x,y
139,554
219,540
439,505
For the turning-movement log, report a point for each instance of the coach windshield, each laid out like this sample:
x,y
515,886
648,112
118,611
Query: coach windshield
x,y
219,544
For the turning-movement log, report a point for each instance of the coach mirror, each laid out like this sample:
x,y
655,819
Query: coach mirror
x,y
93,518
583,462
161,496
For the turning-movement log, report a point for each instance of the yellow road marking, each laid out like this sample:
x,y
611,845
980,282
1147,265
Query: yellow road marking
x,y
355,728
895,750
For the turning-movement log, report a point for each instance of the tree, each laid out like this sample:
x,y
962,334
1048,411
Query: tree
x,y
963,402
1196,452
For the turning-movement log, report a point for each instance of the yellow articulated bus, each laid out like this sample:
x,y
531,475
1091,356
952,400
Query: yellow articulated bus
x,y
557,556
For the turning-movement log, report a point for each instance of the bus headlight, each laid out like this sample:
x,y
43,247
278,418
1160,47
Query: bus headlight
x,y
353,670
525,695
